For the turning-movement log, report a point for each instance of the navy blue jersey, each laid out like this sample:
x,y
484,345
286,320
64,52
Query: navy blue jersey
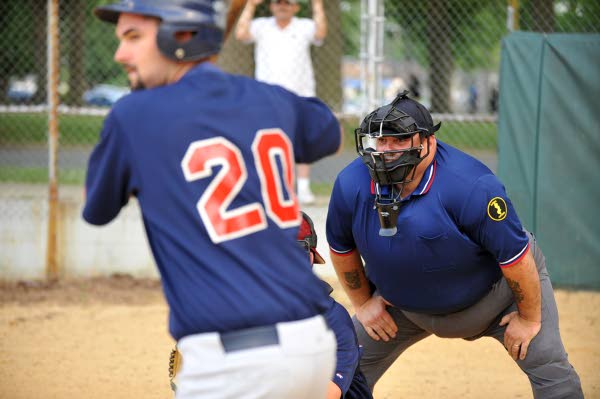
x,y
454,231
347,373
210,159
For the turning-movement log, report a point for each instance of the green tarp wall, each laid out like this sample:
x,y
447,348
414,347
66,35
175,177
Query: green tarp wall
x,y
549,147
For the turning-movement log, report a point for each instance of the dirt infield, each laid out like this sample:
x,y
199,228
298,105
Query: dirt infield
x,y
107,338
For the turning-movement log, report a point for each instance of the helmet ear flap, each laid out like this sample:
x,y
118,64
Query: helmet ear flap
x,y
206,18
205,41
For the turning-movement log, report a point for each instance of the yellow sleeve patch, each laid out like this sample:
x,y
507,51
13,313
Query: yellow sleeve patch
x,y
497,209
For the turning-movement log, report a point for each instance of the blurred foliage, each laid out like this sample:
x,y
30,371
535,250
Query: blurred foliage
x,y
476,29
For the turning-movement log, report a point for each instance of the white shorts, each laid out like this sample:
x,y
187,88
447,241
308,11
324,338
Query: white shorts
x,y
293,360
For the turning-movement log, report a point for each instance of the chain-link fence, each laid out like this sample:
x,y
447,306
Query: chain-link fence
x,y
446,52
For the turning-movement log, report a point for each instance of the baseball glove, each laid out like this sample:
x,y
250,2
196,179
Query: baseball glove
x,y
174,366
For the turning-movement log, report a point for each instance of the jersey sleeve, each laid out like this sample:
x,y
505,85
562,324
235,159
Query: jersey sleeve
x,y
109,180
338,226
317,130
348,354
490,219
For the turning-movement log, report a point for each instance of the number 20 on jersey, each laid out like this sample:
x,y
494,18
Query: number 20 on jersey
x,y
222,223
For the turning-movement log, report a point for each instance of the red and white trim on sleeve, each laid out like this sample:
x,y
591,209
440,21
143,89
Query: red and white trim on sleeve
x,y
341,253
517,258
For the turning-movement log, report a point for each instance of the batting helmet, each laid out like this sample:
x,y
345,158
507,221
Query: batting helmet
x,y
403,117
203,17
307,237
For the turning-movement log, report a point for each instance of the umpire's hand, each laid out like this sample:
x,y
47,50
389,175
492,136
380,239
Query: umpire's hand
x,y
376,320
519,334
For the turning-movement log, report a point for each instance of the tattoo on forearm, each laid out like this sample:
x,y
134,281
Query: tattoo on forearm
x,y
516,289
353,279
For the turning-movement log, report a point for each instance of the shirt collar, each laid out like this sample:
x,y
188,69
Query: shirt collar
x,y
427,180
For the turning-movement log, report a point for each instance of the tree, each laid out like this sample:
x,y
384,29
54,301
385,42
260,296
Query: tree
x,y
327,59
441,34
76,23
439,50
538,16
22,36
39,24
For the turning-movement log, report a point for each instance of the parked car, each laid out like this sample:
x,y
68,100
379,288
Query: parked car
x,y
104,95
22,90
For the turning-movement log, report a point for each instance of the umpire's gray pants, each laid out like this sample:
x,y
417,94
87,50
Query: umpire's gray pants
x,y
547,365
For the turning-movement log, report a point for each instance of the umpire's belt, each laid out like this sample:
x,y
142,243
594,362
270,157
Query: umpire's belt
x,y
249,338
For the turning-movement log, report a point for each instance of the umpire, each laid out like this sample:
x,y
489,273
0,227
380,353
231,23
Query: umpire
x,y
444,252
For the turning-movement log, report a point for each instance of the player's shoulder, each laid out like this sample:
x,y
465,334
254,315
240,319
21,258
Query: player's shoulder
x,y
139,103
338,317
127,106
459,167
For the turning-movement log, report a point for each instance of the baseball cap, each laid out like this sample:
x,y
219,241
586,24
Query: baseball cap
x,y
307,234
417,111
401,115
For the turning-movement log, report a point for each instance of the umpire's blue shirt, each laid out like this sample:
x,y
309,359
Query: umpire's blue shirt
x,y
454,231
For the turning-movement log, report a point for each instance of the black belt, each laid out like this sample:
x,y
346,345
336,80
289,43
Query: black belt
x,y
249,338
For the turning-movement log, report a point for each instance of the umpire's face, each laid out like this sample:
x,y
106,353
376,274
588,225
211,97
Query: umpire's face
x,y
146,67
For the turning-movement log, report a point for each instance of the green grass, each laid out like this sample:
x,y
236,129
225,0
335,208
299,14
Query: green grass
x,y
32,128
40,175
469,135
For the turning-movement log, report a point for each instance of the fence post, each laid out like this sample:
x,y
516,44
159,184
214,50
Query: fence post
x,y
371,53
53,100
512,17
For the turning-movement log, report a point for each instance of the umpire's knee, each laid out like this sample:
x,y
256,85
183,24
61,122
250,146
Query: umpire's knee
x,y
550,373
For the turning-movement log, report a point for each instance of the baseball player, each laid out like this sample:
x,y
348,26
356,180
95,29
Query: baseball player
x,y
444,252
348,381
210,158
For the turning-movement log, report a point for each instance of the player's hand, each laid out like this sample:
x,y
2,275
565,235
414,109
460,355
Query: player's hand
x,y
256,2
376,320
519,334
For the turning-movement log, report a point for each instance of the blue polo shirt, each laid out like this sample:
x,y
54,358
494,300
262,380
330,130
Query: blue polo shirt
x,y
454,231
210,159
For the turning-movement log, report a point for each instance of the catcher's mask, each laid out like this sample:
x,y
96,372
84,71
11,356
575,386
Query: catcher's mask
x,y
307,238
403,118
204,18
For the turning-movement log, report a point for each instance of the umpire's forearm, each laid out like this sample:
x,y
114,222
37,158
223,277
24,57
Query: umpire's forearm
x,y
523,279
351,274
